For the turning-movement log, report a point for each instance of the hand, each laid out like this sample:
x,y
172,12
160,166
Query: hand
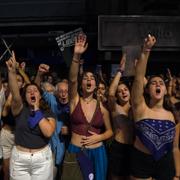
x,y
94,138
11,63
80,44
149,43
122,63
17,65
169,76
43,68
101,97
23,66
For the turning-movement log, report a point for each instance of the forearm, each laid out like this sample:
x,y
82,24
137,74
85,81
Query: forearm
x,y
13,86
176,154
47,127
140,70
38,78
6,109
25,76
74,68
1,85
176,151
106,135
101,76
169,88
138,83
114,84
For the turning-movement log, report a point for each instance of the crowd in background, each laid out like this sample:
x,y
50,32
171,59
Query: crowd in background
x,y
89,127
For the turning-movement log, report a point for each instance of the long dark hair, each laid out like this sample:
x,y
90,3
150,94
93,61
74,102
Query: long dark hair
x,y
42,104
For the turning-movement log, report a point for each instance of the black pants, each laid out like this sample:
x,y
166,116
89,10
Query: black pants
x,y
119,157
144,166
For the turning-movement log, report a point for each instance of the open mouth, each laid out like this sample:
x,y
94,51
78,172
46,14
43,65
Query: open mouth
x,y
124,96
33,99
158,91
63,99
88,86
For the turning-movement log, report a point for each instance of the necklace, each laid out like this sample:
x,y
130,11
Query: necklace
x,y
87,101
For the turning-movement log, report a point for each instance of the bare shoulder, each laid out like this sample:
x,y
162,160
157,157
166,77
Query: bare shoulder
x,y
170,115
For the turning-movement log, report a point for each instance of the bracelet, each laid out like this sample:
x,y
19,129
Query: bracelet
x,y
120,70
146,50
75,60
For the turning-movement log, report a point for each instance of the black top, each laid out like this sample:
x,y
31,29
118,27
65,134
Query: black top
x,y
27,137
9,119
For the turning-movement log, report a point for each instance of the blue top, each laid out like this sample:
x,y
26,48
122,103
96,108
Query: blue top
x,y
157,135
58,109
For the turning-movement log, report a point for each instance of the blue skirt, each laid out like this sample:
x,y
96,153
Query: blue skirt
x,y
98,157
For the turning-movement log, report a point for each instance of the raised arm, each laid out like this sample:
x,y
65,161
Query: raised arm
x,y
81,69
138,102
7,106
21,70
99,73
79,48
43,68
170,87
1,85
114,84
17,103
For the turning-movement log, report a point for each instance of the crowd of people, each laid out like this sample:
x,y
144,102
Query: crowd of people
x,y
86,127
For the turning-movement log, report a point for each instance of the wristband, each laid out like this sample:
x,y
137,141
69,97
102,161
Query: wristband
x,y
146,49
35,118
76,60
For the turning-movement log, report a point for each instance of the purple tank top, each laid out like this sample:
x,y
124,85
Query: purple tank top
x,y
81,126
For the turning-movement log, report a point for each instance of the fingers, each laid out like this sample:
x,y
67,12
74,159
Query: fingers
x,y
23,65
81,40
86,46
150,39
123,62
149,42
11,62
44,68
93,133
13,56
135,62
